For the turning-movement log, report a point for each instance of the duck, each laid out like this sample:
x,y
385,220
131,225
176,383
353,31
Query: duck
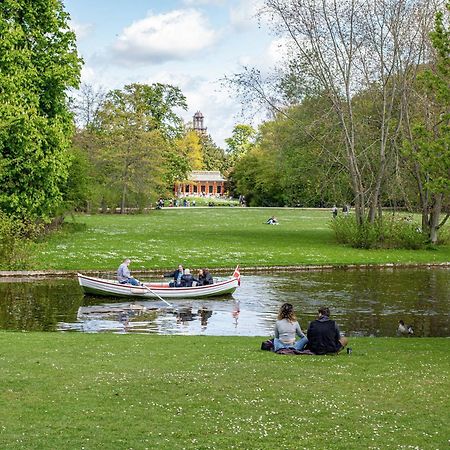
x,y
404,329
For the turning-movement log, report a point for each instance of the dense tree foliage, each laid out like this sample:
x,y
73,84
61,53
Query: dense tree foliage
x,y
38,63
360,67
427,131
129,144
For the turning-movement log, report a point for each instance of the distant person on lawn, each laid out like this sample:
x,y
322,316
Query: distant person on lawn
x,y
324,335
124,275
272,221
176,275
287,328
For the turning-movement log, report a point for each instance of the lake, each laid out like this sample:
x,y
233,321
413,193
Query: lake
x,y
363,302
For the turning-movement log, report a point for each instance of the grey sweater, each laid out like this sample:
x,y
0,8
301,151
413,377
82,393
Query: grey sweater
x,y
286,331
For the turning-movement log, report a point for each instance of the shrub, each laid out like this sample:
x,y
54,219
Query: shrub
x,y
15,243
389,232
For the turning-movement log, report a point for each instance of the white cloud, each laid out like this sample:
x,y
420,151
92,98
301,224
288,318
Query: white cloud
x,y
88,75
275,53
244,15
82,30
176,35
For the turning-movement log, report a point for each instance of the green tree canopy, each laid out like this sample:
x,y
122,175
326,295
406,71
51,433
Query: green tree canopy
x,y
38,63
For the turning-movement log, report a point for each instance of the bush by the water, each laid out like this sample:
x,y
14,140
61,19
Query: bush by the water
x,y
15,243
388,232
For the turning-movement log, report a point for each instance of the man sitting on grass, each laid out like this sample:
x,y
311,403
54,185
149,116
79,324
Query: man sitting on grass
x,y
324,335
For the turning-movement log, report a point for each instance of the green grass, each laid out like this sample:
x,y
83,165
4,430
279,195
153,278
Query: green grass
x,y
80,391
214,237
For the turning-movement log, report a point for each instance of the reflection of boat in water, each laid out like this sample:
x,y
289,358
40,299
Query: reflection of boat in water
x,y
101,286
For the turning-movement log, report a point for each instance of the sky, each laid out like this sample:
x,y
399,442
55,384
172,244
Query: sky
x,y
191,44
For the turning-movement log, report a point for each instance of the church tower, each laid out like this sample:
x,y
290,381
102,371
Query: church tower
x,y
198,123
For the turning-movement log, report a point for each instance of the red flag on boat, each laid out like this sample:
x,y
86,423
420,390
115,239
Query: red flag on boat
x,y
237,274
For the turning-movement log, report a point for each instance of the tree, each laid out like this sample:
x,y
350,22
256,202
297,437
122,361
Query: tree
x,y
134,132
287,167
241,140
339,48
38,64
189,146
427,143
85,104
214,157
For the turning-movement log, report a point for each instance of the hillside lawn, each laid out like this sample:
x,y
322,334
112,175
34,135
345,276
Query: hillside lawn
x,y
213,237
106,391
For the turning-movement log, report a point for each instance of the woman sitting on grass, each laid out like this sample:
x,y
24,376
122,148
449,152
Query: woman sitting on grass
x,y
286,328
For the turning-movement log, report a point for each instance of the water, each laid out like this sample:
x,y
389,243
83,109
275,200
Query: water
x,y
363,302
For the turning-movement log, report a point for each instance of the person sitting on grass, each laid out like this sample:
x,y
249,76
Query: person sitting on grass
x,y
287,328
272,221
324,335
124,275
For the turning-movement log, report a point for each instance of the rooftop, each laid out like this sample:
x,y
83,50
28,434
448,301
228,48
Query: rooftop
x,y
206,175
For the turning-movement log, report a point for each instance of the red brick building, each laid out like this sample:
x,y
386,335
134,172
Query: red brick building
x,y
202,182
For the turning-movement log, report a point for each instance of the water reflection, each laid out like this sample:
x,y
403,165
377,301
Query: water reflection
x,y
363,303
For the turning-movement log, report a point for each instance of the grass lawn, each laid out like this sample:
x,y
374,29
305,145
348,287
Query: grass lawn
x,y
97,391
214,237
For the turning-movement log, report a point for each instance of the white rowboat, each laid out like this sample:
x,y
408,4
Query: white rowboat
x,y
112,288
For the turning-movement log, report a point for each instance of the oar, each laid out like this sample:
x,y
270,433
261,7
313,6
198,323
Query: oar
x,y
157,295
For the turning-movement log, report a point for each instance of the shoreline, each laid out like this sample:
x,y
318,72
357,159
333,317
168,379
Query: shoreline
x,y
5,275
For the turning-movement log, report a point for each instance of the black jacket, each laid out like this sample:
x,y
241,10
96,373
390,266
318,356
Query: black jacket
x,y
173,275
207,279
323,336
186,280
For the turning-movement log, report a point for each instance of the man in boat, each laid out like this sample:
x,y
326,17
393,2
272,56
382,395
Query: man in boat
x,y
124,275
176,275
324,335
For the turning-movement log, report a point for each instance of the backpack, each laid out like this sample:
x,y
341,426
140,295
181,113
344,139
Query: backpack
x,y
267,345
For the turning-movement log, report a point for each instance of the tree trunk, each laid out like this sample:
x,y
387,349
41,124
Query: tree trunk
x,y
124,196
435,214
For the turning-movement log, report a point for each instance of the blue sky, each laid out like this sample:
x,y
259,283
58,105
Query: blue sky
x,y
187,43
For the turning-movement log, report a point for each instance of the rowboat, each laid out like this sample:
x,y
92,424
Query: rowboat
x,y
101,286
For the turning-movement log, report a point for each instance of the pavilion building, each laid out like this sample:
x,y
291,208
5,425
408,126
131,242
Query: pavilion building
x,y
206,183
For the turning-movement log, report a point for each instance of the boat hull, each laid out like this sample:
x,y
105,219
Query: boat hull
x,y
100,286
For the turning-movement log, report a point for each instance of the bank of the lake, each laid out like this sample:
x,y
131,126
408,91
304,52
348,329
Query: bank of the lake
x,y
134,391
213,237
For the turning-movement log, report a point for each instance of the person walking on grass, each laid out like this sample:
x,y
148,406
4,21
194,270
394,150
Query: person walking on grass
x,y
124,275
287,328
324,335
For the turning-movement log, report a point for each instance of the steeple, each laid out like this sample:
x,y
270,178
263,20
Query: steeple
x,y
198,123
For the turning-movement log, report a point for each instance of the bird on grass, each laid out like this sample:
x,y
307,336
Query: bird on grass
x,y
404,330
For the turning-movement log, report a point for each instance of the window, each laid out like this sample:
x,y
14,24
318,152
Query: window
x,y
210,189
194,189
219,189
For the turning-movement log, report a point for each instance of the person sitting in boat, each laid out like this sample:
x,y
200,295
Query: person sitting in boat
x,y
287,328
208,279
176,275
124,275
187,279
200,278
